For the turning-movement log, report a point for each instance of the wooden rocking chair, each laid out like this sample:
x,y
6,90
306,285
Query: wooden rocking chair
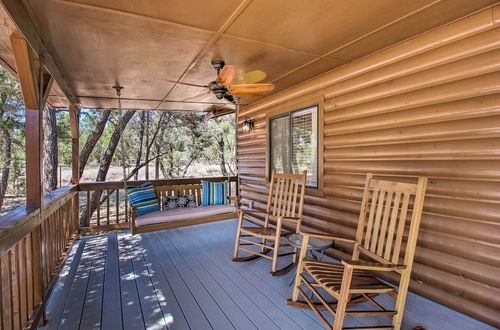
x,y
379,240
284,204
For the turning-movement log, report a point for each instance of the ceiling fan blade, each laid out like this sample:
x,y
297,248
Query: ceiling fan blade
x,y
186,84
226,76
251,89
196,96
251,77
250,96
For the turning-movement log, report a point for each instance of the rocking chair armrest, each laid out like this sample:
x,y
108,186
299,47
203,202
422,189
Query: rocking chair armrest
x,y
289,219
247,210
374,266
325,236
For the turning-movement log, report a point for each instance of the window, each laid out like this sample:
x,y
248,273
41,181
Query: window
x,y
294,143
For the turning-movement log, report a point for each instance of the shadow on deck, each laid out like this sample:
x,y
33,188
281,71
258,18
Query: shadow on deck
x,y
117,281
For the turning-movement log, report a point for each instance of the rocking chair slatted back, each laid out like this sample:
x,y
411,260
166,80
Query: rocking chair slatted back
x,y
286,194
384,211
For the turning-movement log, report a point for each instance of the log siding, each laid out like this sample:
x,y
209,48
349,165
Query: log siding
x,y
429,106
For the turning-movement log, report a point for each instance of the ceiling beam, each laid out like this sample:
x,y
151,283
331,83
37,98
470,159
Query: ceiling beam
x,y
26,23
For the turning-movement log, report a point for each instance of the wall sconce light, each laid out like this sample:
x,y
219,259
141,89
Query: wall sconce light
x,y
247,126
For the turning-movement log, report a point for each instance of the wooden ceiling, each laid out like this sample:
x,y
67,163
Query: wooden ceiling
x,y
148,46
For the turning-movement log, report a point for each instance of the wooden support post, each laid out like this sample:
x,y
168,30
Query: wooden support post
x,y
74,118
33,135
35,84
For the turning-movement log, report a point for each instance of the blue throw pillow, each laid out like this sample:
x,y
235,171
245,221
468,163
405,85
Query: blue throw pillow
x,y
214,193
143,198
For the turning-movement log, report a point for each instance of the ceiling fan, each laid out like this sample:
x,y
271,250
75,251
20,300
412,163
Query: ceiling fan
x,y
229,84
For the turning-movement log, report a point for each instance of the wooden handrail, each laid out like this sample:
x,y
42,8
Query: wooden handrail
x,y
22,220
102,185
32,244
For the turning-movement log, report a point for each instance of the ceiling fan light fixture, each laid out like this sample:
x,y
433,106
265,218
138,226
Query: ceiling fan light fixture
x,y
247,125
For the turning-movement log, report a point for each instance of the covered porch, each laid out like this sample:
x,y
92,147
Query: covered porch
x,y
116,280
401,90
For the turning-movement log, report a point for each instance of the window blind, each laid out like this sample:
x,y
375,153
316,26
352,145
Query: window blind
x,y
304,125
293,145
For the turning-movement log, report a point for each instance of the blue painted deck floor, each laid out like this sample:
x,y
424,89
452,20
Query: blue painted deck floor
x,y
119,281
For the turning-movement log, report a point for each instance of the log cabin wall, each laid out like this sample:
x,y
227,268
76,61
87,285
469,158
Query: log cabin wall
x,y
429,106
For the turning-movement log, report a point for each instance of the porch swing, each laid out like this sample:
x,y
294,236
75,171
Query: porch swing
x,y
163,218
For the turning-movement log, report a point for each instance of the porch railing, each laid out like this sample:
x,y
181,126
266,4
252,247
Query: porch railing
x,y
32,245
103,204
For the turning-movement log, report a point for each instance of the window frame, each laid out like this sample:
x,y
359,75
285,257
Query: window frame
x,y
282,110
289,115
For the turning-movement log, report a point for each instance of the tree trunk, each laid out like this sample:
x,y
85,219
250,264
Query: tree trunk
x,y
163,170
92,140
157,162
222,159
50,150
107,158
141,140
113,144
4,181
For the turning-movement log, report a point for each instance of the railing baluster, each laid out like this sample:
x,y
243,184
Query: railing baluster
x,y
126,211
117,192
98,199
88,222
23,279
6,291
107,206
29,272
16,318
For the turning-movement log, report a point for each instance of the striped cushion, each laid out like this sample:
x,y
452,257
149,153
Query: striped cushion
x,y
214,193
143,198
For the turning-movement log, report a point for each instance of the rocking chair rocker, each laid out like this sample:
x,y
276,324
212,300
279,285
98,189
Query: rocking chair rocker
x,y
284,204
380,241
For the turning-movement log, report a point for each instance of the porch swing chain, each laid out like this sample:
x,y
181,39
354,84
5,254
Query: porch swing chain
x,y
118,90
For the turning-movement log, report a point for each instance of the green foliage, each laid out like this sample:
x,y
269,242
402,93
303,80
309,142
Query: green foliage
x,y
178,141
12,122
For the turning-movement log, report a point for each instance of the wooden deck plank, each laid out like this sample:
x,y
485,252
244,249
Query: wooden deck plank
x,y
299,316
59,296
214,241
210,308
168,301
71,316
150,305
436,316
195,316
236,316
111,305
181,271
253,297
260,267
131,306
258,317
92,308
